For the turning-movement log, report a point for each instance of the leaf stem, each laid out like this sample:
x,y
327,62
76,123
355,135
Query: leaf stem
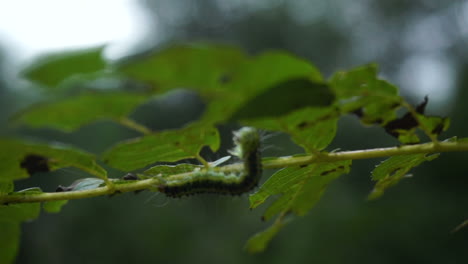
x,y
268,163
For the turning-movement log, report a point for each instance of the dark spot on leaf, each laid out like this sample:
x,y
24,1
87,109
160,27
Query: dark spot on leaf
x,y
130,177
358,112
303,166
225,78
327,172
263,218
439,128
392,172
406,122
177,143
303,125
35,163
395,105
378,121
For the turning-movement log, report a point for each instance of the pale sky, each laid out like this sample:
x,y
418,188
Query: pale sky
x,y
31,27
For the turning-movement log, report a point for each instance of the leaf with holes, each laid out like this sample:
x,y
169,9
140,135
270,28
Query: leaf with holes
x,y
300,189
392,170
311,128
169,146
360,91
22,159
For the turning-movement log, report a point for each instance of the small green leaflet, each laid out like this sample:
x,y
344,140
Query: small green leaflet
x,y
259,241
71,113
434,124
300,189
360,91
392,170
312,128
52,69
168,146
54,206
20,159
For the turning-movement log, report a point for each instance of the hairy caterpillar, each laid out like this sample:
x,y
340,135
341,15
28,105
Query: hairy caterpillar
x,y
247,148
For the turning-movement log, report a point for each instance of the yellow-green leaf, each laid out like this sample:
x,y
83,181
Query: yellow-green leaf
x,y
169,146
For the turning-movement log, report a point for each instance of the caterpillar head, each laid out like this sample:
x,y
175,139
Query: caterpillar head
x,y
246,140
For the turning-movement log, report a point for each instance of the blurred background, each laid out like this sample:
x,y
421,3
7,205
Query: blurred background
x,y
419,45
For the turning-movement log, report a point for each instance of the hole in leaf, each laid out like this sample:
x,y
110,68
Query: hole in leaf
x,y
35,163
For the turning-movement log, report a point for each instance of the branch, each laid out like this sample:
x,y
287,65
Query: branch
x,y
268,163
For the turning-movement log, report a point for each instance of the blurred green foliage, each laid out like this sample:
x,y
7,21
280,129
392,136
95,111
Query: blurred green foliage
x,y
410,224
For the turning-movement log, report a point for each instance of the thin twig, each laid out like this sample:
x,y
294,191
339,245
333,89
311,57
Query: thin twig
x,y
269,163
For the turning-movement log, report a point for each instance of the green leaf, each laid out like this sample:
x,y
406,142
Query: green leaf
x,y
21,159
74,112
392,170
274,71
19,212
168,170
286,97
10,236
225,78
434,125
362,92
300,189
52,69
259,241
11,217
311,128
54,206
201,67
407,136
6,187
168,146
305,184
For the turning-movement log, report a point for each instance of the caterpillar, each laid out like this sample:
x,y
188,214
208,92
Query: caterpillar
x,y
247,148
